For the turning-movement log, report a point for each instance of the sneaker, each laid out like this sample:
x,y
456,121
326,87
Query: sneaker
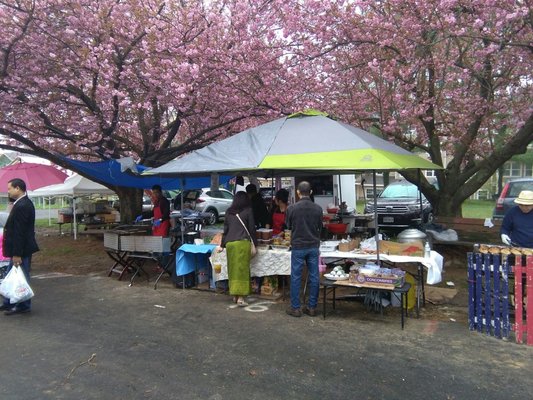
x,y
4,307
294,312
310,311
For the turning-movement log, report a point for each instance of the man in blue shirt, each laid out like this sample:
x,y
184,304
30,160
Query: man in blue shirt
x,y
517,225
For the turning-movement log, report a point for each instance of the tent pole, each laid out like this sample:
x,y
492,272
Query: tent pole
x,y
75,221
182,184
49,212
376,228
418,178
340,191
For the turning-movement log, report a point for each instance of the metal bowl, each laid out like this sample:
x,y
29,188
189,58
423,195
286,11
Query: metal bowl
x,y
408,235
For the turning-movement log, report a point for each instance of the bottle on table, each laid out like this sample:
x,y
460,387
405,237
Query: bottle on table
x,y
427,250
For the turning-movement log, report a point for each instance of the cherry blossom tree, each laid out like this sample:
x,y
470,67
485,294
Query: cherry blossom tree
x,y
440,77
99,79
154,79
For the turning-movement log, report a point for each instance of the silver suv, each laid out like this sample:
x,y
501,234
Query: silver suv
x,y
212,202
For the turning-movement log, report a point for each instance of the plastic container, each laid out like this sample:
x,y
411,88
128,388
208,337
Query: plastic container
x,y
266,234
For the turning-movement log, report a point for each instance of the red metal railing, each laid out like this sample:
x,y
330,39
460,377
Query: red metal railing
x,y
523,299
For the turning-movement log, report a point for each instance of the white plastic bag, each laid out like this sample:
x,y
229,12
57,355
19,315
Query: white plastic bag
x,y
21,290
433,276
8,282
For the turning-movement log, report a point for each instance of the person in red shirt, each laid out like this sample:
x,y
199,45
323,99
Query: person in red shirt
x,y
161,224
281,202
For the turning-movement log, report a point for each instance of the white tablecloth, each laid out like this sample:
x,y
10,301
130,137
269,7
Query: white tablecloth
x,y
433,263
265,263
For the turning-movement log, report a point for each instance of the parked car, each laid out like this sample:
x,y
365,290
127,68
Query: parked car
x,y
148,205
399,206
509,193
213,202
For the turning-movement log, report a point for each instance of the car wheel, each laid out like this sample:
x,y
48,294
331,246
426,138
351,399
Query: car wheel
x,y
213,216
430,217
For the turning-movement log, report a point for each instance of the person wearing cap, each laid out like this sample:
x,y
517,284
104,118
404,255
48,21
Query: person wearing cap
x,y
517,225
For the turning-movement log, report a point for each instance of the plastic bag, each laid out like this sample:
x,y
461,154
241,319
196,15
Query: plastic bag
x,y
8,282
21,290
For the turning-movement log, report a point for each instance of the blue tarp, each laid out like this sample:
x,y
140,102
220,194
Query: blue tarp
x,y
190,257
110,172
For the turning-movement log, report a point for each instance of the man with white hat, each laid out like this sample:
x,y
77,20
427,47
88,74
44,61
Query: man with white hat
x,y
517,225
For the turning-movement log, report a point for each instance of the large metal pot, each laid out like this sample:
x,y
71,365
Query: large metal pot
x,y
410,235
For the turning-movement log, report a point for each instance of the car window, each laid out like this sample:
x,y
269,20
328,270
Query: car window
x,y
399,191
191,195
226,195
516,187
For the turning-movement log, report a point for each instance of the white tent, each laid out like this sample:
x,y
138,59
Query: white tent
x,y
74,186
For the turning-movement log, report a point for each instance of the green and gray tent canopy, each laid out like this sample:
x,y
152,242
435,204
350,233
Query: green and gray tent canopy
x,y
301,144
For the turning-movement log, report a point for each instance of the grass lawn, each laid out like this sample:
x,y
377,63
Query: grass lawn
x,y
478,208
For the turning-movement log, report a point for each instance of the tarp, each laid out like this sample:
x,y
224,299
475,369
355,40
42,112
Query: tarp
x,y
75,185
301,144
113,172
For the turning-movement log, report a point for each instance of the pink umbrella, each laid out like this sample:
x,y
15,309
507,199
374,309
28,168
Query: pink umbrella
x,y
35,175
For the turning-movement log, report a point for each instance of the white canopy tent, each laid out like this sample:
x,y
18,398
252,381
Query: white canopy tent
x,y
74,186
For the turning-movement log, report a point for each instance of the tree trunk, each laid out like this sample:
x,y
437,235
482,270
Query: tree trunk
x,y
447,206
500,180
130,203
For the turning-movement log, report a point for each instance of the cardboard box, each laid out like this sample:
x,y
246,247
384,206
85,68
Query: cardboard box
x,y
106,217
413,249
351,245
64,218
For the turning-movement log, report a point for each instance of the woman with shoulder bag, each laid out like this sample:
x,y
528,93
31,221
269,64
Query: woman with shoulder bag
x,y
238,236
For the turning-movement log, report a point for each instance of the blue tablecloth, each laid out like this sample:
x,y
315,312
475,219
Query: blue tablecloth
x,y
190,257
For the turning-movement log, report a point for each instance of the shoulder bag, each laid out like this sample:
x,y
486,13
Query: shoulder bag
x,y
253,249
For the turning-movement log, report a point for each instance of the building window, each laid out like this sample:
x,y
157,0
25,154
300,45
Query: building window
x,y
370,193
482,194
429,173
528,170
512,169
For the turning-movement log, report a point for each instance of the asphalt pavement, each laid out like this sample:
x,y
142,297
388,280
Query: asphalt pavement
x,y
94,337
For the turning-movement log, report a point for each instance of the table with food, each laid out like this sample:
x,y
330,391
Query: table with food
x,y
365,254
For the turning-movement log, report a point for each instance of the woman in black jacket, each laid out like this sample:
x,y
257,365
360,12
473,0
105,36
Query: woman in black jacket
x,y
239,231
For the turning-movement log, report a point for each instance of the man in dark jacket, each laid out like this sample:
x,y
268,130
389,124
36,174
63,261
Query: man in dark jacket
x,y
259,208
304,219
19,238
261,218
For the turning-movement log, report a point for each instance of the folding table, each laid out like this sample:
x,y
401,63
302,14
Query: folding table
x,y
394,291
